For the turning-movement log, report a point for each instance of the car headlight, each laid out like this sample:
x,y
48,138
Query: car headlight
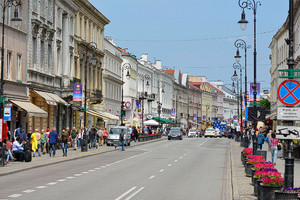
x,y
108,137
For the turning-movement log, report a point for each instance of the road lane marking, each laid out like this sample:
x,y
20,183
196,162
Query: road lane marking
x,y
41,187
175,160
15,195
51,183
185,154
151,177
134,193
70,177
169,165
161,170
92,170
61,180
202,143
77,174
125,193
84,172
180,157
28,191
97,168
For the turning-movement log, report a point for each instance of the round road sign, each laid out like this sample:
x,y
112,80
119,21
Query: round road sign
x,y
289,92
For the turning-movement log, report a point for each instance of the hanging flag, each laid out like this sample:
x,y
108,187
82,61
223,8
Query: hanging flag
x,y
138,105
173,113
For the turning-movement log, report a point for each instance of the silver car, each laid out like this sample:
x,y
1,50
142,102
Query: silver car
x,y
114,135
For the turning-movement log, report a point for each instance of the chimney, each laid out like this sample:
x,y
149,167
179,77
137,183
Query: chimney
x,y
158,64
144,57
110,39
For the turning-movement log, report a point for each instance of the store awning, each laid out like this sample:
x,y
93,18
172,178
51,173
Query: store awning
x,y
97,114
51,98
110,116
162,120
194,122
30,108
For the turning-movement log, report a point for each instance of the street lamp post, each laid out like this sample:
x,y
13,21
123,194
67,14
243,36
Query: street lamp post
x,y
251,5
239,43
239,67
147,77
159,111
93,47
5,4
159,104
234,79
126,66
177,99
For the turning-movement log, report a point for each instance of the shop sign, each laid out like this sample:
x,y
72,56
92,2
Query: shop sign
x,y
7,113
205,88
286,113
173,113
1,129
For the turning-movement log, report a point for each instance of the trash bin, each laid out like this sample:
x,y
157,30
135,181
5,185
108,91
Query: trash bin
x,y
83,145
262,153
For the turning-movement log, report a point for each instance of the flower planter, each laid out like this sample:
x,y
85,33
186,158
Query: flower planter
x,y
268,192
252,175
258,187
242,157
286,195
248,169
255,185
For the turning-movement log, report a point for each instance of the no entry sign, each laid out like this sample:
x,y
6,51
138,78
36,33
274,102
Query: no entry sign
x,y
289,92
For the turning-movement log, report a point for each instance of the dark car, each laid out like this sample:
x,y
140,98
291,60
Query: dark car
x,y
175,133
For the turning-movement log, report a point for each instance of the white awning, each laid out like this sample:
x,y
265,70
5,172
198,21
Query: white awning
x,y
110,116
30,108
51,98
96,114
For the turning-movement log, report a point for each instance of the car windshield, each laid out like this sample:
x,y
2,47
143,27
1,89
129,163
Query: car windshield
x,y
192,130
116,131
175,131
210,129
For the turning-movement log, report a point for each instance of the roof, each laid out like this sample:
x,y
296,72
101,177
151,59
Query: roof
x,y
170,71
198,84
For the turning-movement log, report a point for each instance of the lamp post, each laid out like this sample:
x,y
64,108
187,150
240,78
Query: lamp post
x,y
4,5
239,67
147,77
126,66
159,104
234,79
239,43
159,111
88,46
177,99
251,5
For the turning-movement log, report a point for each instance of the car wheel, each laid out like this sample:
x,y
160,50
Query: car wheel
x,y
129,144
169,138
107,144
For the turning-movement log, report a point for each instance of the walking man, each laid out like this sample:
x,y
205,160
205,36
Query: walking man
x,y
74,135
53,140
121,138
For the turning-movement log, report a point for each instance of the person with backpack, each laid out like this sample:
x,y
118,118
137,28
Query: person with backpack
x,y
273,143
121,138
74,135
18,149
53,140
64,142
100,133
43,141
92,136
260,140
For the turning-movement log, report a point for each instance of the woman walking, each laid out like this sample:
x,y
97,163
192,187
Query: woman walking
x,y
34,142
64,142
273,145
44,140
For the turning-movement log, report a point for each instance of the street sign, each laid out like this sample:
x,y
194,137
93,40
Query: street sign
x,y
8,105
256,114
288,132
1,129
234,117
288,113
3,100
7,113
288,92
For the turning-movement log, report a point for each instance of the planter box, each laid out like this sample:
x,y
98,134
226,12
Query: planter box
x,y
258,188
286,195
255,185
268,192
252,175
248,169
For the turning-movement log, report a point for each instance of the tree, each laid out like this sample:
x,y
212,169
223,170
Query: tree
x,y
265,103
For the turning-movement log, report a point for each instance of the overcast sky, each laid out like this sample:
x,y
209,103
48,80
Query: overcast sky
x,y
196,36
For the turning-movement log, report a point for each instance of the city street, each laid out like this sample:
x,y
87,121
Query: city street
x,y
193,168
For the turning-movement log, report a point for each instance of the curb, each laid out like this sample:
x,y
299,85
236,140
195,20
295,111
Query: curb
x,y
75,158
234,188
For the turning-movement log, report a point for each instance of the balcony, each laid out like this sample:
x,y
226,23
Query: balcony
x,y
151,97
95,96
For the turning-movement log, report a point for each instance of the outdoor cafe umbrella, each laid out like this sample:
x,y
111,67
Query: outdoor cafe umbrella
x,y
151,122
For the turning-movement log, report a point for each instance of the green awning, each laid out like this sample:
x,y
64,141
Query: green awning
x,y
162,120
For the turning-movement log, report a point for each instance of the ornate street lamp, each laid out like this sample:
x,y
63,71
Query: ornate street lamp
x,y
147,78
126,66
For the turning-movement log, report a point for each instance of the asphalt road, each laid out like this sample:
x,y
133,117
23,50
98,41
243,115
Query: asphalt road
x,y
190,169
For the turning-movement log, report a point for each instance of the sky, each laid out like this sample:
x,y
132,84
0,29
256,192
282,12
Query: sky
x,y
195,36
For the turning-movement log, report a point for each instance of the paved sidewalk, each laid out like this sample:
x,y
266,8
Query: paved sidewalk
x,y
45,160
241,185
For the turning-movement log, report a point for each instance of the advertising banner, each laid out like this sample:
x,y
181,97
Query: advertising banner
x,y
204,118
7,113
77,94
173,113
195,117
251,96
138,105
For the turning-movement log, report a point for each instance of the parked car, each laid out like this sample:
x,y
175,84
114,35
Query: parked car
x,y
114,136
218,133
175,133
192,133
210,132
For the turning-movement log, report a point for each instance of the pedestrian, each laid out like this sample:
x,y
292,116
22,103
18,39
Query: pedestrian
x,y
80,135
104,135
38,137
22,136
64,142
48,130
101,140
44,141
53,140
74,135
260,140
7,147
135,134
92,136
121,139
18,149
34,142
273,145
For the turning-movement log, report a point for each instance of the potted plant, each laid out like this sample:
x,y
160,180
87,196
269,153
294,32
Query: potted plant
x,y
245,152
288,193
268,187
262,173
250,162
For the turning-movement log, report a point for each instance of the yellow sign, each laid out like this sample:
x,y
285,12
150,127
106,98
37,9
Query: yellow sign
x,y
205,88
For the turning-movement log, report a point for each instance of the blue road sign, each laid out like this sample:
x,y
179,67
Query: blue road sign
x,y
288,92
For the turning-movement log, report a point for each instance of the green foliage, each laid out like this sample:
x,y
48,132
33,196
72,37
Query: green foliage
x,y
265,103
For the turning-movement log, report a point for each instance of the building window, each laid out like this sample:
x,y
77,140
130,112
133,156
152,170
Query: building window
x,y
9,15
49,56
8,60
19,69
42,58
34,44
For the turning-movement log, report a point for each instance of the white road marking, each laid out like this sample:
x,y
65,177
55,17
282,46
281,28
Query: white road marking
x,y
61,180
28,191
185,154
180,157
125,193
169,165
97,168
202,143
161,170
70,177
15,195
51,183
92,170
151,177
175,160
41,187
77,174
84,172
134,193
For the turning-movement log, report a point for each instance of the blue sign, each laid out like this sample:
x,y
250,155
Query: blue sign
x,y
234,117
7,113
289,92
246,114
77,94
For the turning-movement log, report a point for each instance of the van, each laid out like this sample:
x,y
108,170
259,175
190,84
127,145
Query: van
x,y
113,137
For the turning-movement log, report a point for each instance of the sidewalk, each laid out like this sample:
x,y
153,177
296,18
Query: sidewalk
x,y
241,185
45,160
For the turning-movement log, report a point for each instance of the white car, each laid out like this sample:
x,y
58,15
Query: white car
x,y
210,132
192,133
218,133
